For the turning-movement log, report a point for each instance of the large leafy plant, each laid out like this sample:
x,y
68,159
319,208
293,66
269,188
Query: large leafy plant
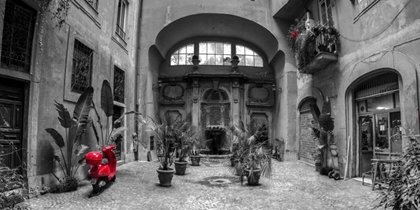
x,y
184,138
251,148
71,157
404,188
105,135
165,130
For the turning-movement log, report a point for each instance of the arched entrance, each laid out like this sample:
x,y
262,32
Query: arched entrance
x,y
307,143
215,119
378,119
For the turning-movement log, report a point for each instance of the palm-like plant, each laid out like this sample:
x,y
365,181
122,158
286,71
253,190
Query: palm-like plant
x,y
75,127
165,132
250,149
184,138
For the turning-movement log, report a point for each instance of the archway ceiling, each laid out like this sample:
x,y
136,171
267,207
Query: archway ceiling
x,y
218,25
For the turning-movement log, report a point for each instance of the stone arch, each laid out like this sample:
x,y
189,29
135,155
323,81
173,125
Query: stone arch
x,y
377,64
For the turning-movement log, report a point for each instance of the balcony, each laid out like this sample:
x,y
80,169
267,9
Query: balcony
x,y
314,48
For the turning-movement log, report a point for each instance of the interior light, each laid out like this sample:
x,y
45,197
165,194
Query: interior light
x,y
382,108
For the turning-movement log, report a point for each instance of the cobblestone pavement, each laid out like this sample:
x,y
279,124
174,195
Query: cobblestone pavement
x,y
294,185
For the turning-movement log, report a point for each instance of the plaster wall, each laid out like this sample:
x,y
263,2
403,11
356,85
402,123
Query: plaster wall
x,y
385,38
49,77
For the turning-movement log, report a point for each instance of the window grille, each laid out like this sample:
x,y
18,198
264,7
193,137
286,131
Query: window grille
x,y
119,84
93,3
18,30
81,75
381,85
121,18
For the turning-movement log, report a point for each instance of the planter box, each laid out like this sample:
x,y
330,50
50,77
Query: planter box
x,y
319,62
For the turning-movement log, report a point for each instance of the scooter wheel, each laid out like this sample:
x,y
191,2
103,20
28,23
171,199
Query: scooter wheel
x,y
95,188
113,178
336,176
330,174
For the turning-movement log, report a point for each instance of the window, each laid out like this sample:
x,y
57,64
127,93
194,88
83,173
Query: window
x,y
248,57
215,53
121,18
93,3
18,30
119,84
183,56
325,8
81,74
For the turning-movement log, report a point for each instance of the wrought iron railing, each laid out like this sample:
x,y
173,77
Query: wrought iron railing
x,y
82,67
120,32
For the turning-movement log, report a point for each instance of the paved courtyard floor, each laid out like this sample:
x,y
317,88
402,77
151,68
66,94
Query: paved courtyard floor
x,y
294,185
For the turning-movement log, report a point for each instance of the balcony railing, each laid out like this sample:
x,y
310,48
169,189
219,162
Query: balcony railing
x,y
120,32
321,52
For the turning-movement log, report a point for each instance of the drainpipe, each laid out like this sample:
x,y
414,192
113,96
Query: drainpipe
x,y
137,67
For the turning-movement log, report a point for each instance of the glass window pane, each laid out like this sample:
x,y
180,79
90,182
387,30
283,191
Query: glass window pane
x,y
227,48
240,50
219,59
203,59
226,60
248,51
202,47
174,60
211,48
190,48
182,59
249,60
211,59
258,61
189,58
219,48
183,50
241,60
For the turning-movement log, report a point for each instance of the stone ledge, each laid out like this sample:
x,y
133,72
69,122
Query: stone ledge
x,y
320,61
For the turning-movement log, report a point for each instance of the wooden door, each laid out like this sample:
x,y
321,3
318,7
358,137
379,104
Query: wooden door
x,y
11,115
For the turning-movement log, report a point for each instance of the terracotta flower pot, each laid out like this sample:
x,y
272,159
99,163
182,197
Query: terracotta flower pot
x,y
255,178
195,160
180,167
165,177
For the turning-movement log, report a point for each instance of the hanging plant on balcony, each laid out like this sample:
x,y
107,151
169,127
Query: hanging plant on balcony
x,y
306,44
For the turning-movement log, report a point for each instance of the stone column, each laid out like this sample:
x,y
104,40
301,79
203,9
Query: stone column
x,y
236,98
195,102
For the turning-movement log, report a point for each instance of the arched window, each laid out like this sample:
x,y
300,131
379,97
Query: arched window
x,y
216,53
183,55
247,57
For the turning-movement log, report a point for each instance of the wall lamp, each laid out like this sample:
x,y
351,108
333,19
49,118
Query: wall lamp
x,y
157,87
275,90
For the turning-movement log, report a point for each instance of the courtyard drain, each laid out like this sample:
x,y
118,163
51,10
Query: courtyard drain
x,y
219,181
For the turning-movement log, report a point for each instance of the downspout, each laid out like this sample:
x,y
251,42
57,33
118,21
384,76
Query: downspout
x,y
137,67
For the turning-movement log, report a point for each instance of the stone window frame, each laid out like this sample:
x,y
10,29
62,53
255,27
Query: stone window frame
x,y
74,35
232,42
116,37
87,9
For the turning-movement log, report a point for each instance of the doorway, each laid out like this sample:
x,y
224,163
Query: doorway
x,y
379,120
11,122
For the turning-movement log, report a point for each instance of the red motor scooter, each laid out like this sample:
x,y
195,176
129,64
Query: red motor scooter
x,y
103,167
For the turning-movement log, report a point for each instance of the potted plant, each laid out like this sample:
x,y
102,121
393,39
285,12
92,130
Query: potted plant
x,y
184,141
253,153
164,131
195,156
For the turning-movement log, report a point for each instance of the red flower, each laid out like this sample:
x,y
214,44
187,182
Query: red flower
x,y
294,34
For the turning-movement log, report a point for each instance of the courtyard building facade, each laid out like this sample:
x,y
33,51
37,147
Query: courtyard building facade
x,y
213,63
